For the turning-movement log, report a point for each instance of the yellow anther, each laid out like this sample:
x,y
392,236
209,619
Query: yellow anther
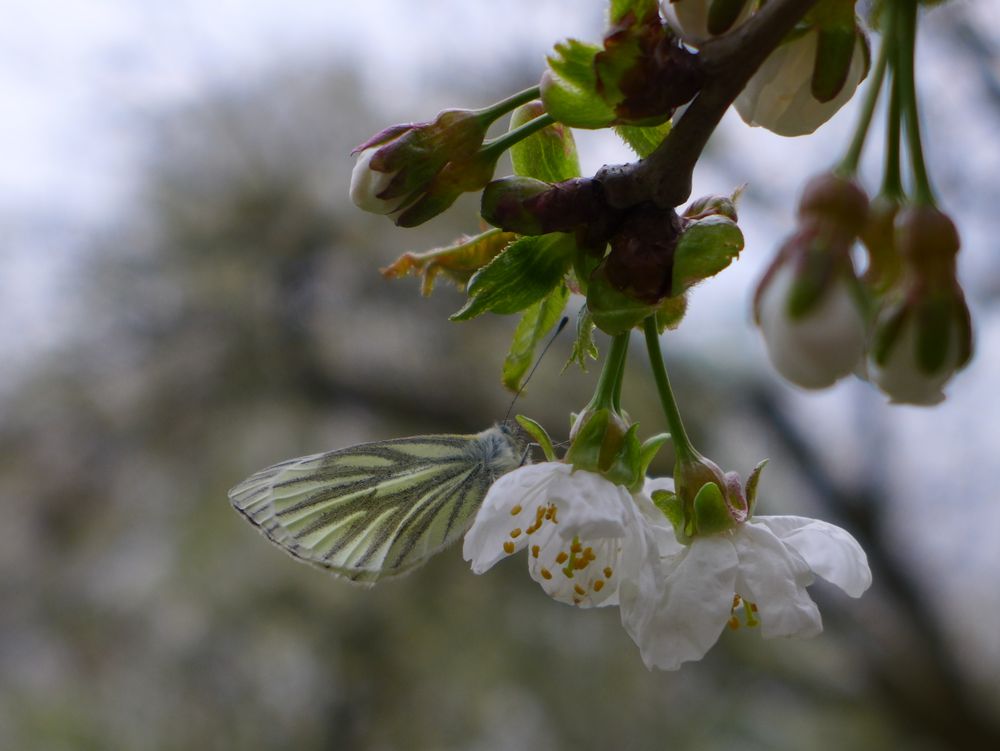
x,y
580,563
736,602
515,533
753,606
734,623
579,590
576,547
608,571
508,547
534,551
588,553
562,557
598,585
516,510
531,530
546,574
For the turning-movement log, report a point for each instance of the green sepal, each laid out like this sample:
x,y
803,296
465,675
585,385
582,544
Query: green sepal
x,y
650,447
548,155
711,512
541,436
569,87
584,346
613,311
535,323
527,270
585,452
625,466
934,323
886,334
750,489
834,52
643,140
812,280
673,508
705,248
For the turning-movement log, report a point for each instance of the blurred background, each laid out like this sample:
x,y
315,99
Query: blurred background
x,y
188,296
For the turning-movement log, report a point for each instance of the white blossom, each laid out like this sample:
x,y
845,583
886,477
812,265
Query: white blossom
x,y
690,18
779,95
583,533
902,379
762,568
821,346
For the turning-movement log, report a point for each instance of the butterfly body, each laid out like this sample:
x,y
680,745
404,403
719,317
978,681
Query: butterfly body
x,y
378,510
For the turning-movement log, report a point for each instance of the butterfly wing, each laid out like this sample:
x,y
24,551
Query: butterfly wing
x,y
377,510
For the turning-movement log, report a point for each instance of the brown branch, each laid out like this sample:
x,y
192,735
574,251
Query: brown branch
x,y
728,62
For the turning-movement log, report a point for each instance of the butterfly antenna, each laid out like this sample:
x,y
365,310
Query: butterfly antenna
x,y
559,328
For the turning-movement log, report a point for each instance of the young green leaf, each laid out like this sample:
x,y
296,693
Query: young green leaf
x,y
535,323
643,140
550,154
705,248
584,346
569,87
527,270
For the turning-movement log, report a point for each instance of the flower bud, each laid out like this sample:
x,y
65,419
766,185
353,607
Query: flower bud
x,y
925,336
420,164
780,94
809,312
836,201
698,20
879,237
367,184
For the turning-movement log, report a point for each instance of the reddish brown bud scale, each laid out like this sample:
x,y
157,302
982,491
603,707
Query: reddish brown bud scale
x,y
926,237
642,253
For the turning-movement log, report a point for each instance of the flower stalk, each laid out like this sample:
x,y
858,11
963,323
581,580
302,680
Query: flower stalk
x,y
683,449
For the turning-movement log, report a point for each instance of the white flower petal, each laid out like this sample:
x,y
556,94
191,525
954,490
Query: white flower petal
x,y
589,505
779,95
901,378
509,505
692,607
824,345
366,184
830,551
774,577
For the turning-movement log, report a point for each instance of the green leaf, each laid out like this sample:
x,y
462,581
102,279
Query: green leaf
x,y
569,87
523,274
643,140
751,487
641,8
541,436
584,345
706,248
535,323
548,155
457,262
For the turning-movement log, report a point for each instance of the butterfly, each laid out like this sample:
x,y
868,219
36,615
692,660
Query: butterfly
x,y
378,510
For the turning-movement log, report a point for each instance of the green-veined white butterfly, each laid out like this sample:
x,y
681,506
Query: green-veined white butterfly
x,y
381,509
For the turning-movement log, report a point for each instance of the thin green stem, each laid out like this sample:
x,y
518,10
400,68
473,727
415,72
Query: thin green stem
x,y
907,24
621,376
500,144
491,113
609,384
682,444
892,180
849,166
